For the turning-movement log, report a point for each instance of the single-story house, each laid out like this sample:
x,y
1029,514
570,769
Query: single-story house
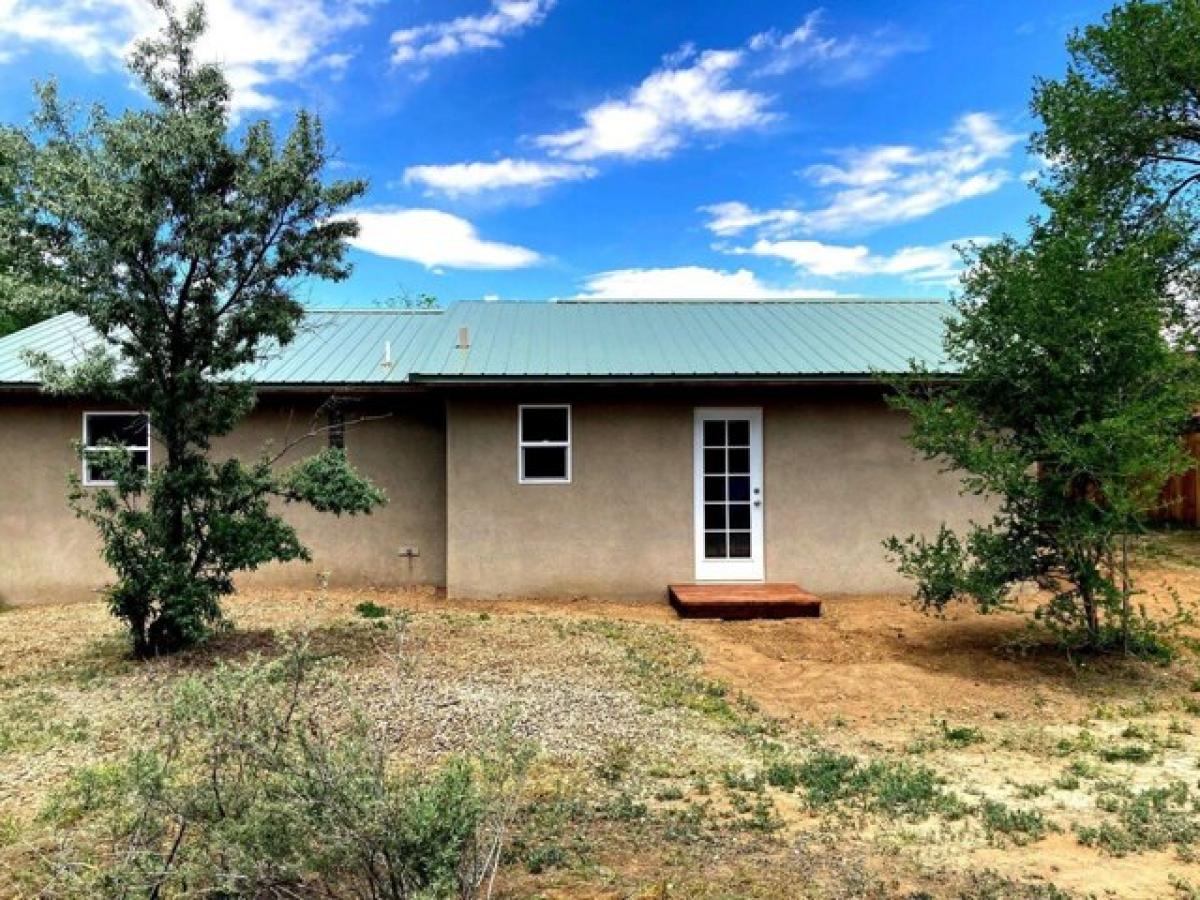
x,y
600,449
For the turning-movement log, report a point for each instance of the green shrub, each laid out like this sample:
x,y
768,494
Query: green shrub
x,y
824,776
783,774
371,610
249,791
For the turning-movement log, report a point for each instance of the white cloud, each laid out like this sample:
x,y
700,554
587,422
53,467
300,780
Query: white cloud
x,y
887,184
434,239
687,283
466,34
939,264
728,219
461,179
690,95
260,43
835,60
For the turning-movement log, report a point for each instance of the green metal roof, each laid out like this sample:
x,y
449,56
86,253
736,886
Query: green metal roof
x,y
591,340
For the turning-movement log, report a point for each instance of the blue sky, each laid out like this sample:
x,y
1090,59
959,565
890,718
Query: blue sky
x,y
538,149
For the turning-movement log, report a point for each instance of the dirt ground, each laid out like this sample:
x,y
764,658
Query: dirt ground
x,y
997,713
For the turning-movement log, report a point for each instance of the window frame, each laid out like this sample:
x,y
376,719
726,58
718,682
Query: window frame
x,y
97,413
522,444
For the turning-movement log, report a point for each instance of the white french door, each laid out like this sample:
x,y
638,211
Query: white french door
x,y
729,495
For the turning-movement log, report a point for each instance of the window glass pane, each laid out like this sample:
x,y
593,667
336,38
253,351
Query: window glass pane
x,y
714,461
714,488
542,425
739,433
714,544
714,433
739,544
714,515
130,430
99,469
545,462
739,487
739,460
739,515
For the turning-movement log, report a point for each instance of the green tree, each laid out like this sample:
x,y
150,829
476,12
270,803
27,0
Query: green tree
x,y
182,248
1122,127
1075,380
1067,411
27,281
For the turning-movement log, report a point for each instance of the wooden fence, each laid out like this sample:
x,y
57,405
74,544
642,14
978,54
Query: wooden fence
x,y
1180,502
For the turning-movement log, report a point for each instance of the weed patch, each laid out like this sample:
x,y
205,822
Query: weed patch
x,y
896,788
1150,820
1018,826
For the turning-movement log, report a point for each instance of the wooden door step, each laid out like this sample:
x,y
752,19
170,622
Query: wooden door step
x,y
743,601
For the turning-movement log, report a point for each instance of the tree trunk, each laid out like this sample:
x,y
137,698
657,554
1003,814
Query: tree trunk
x,y
1091,616
1126,591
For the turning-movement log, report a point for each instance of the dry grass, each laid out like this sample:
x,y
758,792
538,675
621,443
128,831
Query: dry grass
x,y
674,752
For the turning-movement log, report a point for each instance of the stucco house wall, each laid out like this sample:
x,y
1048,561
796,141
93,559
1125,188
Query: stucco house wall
x,y
46,554
838,479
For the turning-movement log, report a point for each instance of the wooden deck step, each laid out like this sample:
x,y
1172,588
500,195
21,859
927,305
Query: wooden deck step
x,y
743,601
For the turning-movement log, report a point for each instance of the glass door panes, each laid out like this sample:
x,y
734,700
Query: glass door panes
x,y
726,462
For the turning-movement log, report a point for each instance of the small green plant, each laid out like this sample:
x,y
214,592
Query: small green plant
x,y
1134,753
625,808
1083,768
1020,826
761,817
896,788
686,823
1030,791
737,780
961,735
10,831
616,762
370,610
1067,782
824,775
542,859
670,792
783,774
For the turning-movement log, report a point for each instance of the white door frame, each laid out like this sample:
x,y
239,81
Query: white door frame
x,y
747,569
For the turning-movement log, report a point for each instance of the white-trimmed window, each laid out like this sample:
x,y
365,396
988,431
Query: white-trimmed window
x,y
544,443
103,429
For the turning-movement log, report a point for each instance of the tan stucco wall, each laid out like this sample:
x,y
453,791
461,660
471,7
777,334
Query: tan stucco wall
x,y
47,555
838,479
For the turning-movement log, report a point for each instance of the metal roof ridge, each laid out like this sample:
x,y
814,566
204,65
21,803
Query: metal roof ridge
x,y
364,310
735,301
